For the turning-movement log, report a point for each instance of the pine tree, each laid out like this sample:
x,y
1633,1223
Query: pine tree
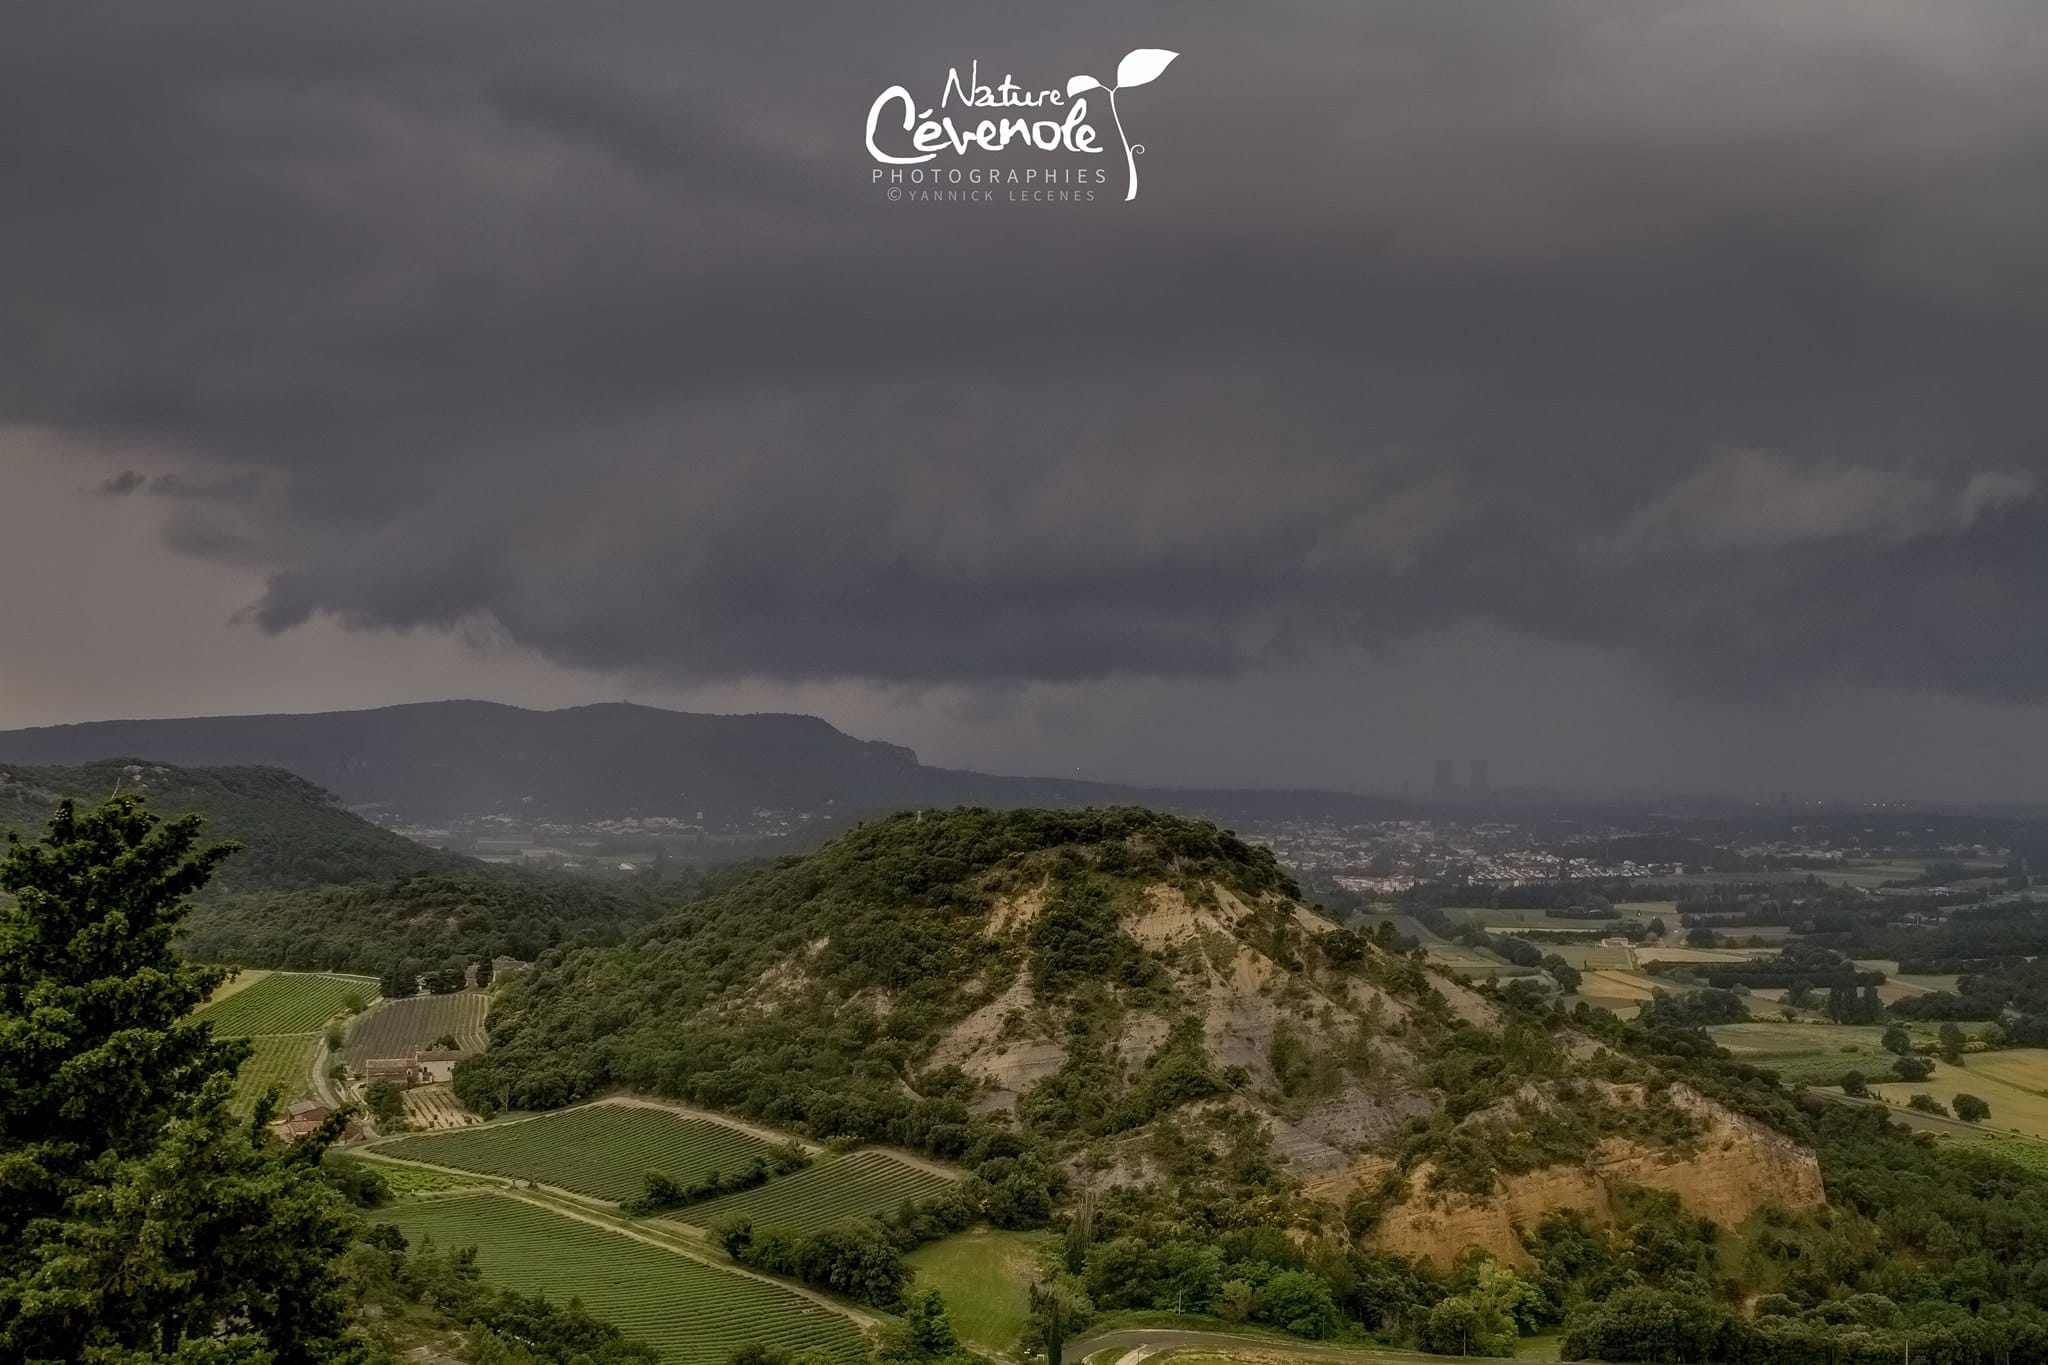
x,y
137,1214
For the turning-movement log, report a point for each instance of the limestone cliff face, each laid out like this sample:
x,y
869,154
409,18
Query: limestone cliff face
x,y
1736,1168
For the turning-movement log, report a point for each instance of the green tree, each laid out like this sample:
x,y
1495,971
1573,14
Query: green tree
x,y
1299,1301
1896,1040
386,1101
1650,1324
1970,1108
925,1334
1951,1044
1058,1310
1912,1068
137,1215
1080,1231
1465,1325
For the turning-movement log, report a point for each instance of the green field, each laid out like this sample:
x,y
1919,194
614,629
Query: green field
x,y
1488,917
693,1313
412,1179
1660,953
1473,962
2012,1083
398,1028
1808,1054
602,1150
833,1191
1590,955
285,1002
285,1061
986,1278
2019,1151
1612,986
1760,1039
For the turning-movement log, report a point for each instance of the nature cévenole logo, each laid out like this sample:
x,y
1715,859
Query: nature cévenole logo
x,y
932,132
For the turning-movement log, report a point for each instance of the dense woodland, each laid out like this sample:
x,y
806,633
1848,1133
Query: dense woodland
x,y
292,834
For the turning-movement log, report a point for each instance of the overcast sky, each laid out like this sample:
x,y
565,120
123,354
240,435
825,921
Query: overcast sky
x,y
1641,395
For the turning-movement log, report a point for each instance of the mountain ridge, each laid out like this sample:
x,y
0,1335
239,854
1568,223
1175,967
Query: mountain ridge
x,y
428,762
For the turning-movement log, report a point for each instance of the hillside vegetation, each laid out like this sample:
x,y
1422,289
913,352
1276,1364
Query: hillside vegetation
x,y
292,833
811,992
1129,1027
317,888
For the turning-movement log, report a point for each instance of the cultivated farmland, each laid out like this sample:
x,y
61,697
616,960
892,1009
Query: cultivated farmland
x,y
285,1002
398,1028
832,1191
602,1150
1589,955
282,1015
2011,1084
693,1313
432,1107
282,1060
1812,1053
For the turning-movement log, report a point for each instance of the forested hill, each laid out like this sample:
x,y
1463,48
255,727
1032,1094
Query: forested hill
x,y
293,833
316,886
1129,1025
847,968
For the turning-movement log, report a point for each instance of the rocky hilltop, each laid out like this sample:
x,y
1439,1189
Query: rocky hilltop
x,y
1134,1000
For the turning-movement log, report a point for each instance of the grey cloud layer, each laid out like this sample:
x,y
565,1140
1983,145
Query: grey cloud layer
x,y
1711,333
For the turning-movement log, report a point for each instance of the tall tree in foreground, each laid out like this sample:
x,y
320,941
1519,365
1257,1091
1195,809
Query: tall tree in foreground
x,y
1058,1310
139,1219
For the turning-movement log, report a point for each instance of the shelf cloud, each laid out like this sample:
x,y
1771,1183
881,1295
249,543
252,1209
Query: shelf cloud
x,y
1705,336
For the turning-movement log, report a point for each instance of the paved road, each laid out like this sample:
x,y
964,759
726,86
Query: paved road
x,y
1152,1339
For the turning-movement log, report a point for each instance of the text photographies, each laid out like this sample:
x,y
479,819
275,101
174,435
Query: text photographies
x,y
1068,130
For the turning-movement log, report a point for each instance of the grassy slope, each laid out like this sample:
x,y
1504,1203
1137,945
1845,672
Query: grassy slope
x,y
286,1003
693,1313
985,1277
601,1150
835,1190
2012,1085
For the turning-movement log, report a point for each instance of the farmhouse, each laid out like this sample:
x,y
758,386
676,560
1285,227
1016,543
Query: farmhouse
x,y
438,1063
303,1119
401,1071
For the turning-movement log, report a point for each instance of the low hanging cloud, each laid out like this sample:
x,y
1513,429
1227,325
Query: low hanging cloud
x,y
1757,500
587,322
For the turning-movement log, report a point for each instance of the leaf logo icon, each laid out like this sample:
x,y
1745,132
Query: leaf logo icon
x,y
1140,66
1143,66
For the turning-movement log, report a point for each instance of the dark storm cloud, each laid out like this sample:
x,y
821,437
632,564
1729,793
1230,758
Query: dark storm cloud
x,y
1710,333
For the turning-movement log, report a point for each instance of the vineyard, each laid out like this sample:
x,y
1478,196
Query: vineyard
x,y
404,1180
285,1002
398,1028
824,1195
602,1150
432,1107
693,1313
283,1061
